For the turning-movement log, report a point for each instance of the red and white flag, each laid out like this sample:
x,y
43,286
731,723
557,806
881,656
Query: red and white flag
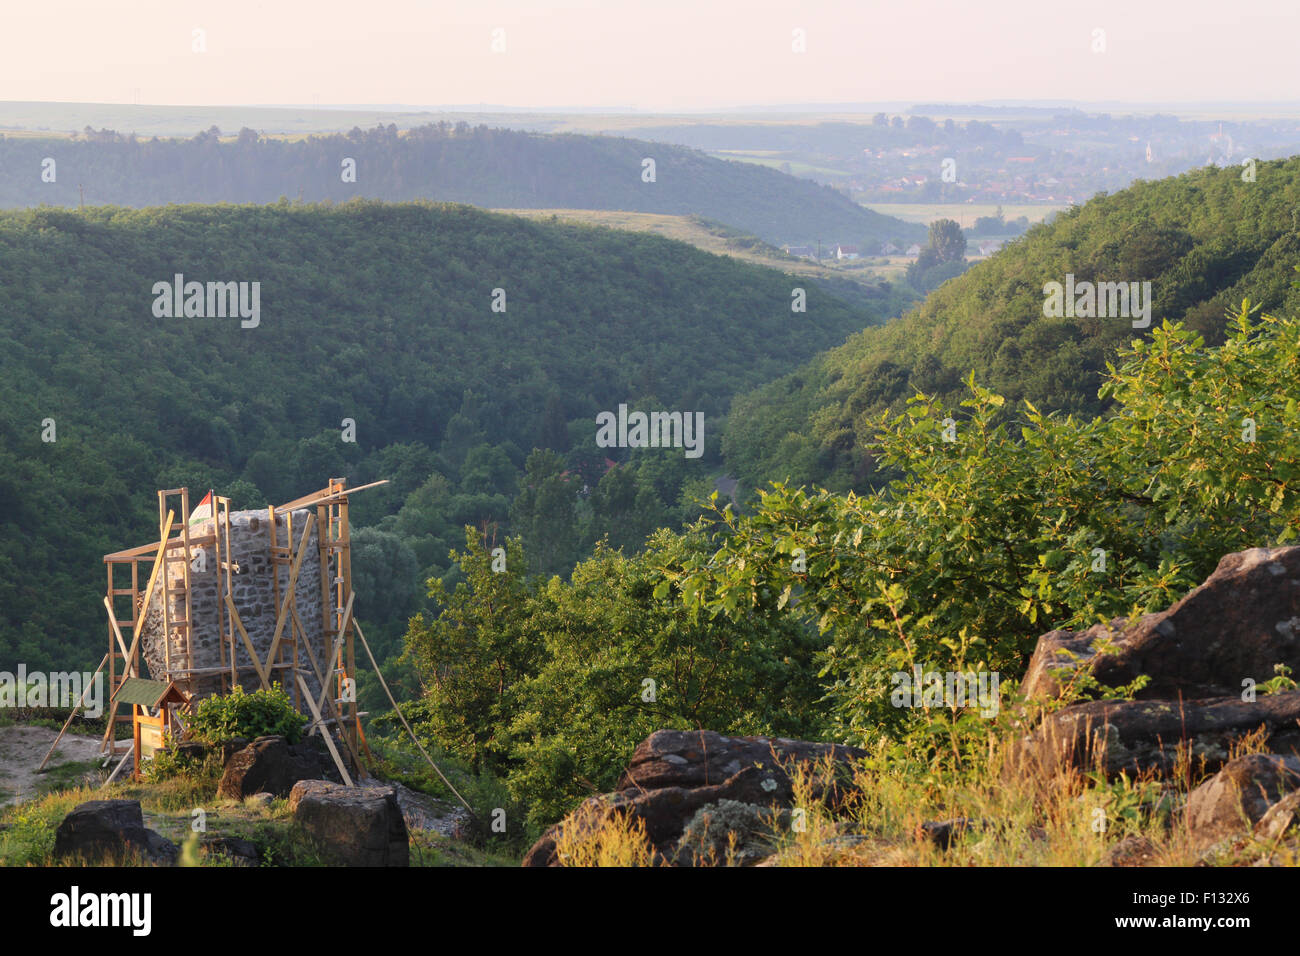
x,y
204,511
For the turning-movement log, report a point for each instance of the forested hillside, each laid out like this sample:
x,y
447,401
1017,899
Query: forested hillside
x,y
1204,240
493,168
382,314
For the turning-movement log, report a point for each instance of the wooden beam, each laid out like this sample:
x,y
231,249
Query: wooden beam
x,y
290,592
252,652
130,669
324,683
117,631
67,723
324,495
144,550
329,741
338,644
122,763
311,655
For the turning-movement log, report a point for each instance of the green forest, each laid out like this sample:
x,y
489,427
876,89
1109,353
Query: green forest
x,y
986,487
789,618
486,167
378,313
935,490
1205,241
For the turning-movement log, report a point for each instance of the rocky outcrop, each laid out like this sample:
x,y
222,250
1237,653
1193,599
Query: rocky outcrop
x,y
1239,796
1237,625
423,812
1203,657
1139,735
674,776
730,832
352,826
272,765
701,758
1281,821
111,831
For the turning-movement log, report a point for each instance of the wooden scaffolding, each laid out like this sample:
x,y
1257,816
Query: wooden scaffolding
x,y
290,658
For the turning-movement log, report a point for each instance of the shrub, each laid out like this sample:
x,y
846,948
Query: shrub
x,y
1003,524
168,763
237,714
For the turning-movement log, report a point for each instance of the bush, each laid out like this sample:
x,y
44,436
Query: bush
x,y
168,764
259,714
1004,524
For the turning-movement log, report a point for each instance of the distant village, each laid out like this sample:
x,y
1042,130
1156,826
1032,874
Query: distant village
x,y
848,253
1021,157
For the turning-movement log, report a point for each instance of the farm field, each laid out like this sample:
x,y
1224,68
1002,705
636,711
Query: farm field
x,y
774,159
717,240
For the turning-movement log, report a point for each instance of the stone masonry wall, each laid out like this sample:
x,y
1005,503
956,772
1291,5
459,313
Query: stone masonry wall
x,y
253,592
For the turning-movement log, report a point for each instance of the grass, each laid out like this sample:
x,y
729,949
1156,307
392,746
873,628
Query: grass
x,y
27,831
774,160
616,840
710,238
67,775
1014,817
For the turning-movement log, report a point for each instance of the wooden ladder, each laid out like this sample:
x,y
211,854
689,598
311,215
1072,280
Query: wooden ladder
x,y
336,582
182,627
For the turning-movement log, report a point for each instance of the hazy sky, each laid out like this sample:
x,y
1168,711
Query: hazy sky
x,y
650,54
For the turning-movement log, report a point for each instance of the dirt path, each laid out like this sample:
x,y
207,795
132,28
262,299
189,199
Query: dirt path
x,y
21,750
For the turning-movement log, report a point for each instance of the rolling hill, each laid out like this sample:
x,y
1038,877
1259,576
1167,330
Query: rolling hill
x,y
378,313
1204,240
492,168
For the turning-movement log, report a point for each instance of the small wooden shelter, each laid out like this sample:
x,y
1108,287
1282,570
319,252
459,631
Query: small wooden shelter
x,y
153,715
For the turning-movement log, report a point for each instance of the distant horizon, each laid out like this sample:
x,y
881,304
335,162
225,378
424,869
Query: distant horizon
x,y
868,107
681,56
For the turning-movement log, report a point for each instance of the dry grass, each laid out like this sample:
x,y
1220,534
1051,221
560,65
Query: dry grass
x,y
615,839
1021,815
687,229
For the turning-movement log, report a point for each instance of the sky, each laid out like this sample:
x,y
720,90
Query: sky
x,y
656,55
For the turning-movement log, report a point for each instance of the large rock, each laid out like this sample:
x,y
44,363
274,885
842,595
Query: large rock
x,y
1239,795
111,831
1140,735
699,758
730,832
1281,820
1243,620
423,812
353,826
272,765
674,774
